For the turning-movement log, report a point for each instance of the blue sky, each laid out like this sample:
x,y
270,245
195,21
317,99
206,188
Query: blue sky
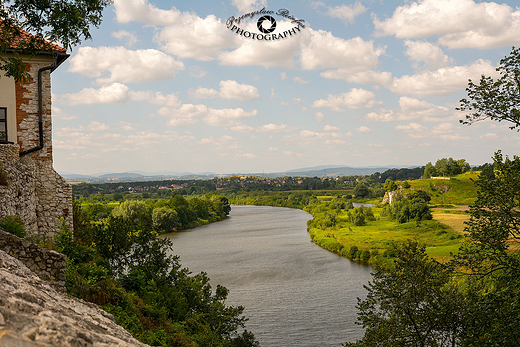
x,y
166,86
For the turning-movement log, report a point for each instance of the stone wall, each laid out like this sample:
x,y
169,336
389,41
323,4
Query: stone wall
x,y
27,112
34,314
47,264
35,192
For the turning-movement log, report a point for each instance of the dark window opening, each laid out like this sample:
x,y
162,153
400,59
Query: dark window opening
x,y
3,125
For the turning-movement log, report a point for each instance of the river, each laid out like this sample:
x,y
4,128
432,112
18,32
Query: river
x,y
294,292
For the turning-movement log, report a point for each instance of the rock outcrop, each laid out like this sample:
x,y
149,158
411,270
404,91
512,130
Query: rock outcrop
x,y
34,314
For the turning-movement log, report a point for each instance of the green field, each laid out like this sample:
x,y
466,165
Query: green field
x,y
458,190
379,235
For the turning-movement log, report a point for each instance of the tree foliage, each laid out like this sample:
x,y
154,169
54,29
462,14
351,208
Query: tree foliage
x,y
361,190
413,303
132,273
65,21
499,99
446,167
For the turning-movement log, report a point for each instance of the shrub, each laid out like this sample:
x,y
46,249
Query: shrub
x,y
365,255
353,251
13,225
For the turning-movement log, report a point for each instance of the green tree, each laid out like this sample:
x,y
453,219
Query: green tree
x,y
496,100
361,190
493,293
164,219
65,21
429,171
132,211
495,219
390,185
413,303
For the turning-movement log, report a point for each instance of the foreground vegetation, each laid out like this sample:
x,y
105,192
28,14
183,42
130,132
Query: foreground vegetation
x,y
117,260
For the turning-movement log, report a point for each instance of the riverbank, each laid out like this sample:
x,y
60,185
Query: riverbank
x,y
372,243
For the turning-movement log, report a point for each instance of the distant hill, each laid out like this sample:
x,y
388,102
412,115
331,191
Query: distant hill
x,y
318,171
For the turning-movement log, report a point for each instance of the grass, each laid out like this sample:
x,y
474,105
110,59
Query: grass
x,y
378,236
454,220
459,190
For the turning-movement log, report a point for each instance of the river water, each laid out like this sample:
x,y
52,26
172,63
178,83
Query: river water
x,y
294,292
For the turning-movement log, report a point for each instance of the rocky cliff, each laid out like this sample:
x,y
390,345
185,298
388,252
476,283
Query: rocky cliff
x,y
34,314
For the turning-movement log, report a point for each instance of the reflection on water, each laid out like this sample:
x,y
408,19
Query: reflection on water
x,y
295,293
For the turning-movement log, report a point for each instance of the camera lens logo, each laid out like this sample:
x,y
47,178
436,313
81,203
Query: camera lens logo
x,y
266,24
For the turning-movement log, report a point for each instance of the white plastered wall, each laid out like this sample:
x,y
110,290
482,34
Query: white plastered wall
x,y
8,100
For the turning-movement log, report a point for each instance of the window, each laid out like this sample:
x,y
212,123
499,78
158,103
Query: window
x,y
3,125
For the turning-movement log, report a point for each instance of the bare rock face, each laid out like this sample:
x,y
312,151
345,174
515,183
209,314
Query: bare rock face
x,y
34,314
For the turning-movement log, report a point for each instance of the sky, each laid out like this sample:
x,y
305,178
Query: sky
x,y
166,86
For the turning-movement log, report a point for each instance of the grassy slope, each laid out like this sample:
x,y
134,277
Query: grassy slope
x,y
459,190
379,235
442,235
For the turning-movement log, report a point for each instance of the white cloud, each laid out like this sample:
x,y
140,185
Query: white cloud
x,y
157,98
228,90
319,116
141,11
459,23
226,117
330,128
97,126
347,13
111,94
183,34
124,65
197,72
300,80
204,93
129,38
306,137
185,115
363,129
246,155
279,53
324,50
283,75
443,81
411,108
443,131
423,51
126,126
57,113
414,130
243,128
276,128
219,144
245,6
364,77
233,90
356,98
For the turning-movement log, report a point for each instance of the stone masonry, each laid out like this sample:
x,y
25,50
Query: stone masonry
x,y
47,264
27,114
34,314
35,192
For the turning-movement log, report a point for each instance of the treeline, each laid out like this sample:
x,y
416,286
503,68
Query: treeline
x,y
167,188
446,167
166,215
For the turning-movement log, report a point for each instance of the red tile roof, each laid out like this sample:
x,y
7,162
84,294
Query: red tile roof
x,y
25,36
